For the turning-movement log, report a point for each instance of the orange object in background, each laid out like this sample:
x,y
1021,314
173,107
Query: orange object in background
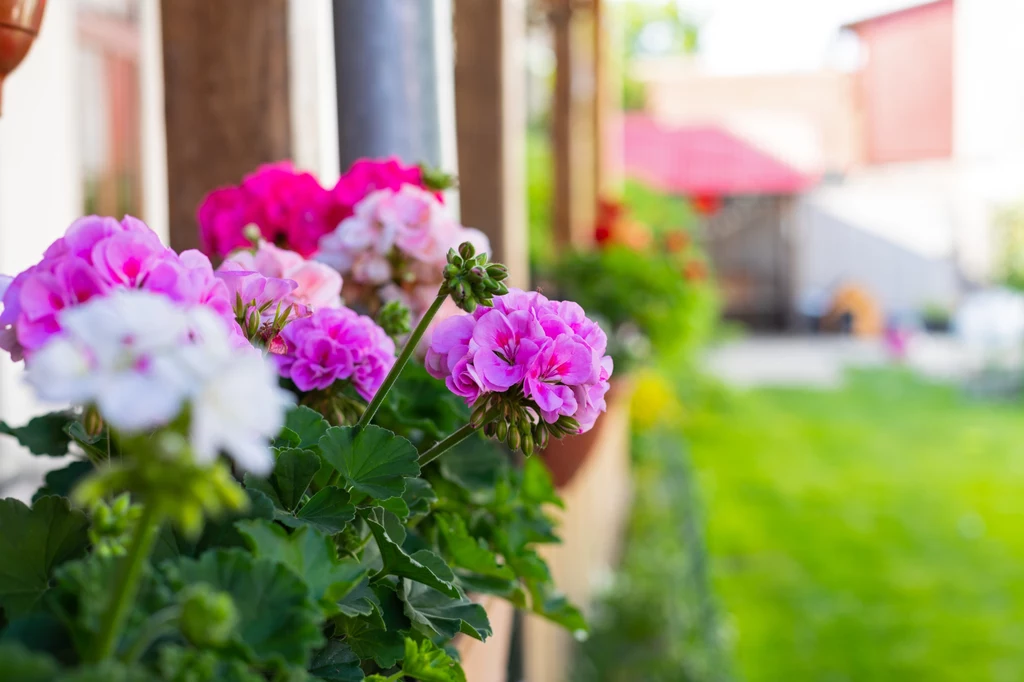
x,y
614,226
695,271
706,204
854,309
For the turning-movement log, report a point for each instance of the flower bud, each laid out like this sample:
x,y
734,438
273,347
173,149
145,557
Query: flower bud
x,y
208,616
543,437
92,422
514,438
451,270
476,275
466,250
252,234
469,305
454,258
527,443
490,429
501,431
497,272
394,319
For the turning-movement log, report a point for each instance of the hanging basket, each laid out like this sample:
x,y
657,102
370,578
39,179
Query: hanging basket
x,y
19,25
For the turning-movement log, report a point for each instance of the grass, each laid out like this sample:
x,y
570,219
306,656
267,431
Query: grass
x,y
872,533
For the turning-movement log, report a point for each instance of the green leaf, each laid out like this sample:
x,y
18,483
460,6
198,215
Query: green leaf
x,y
397,562
96,446
293,472
360,601
62,481
370,641
374,461
42,632
108,671
435,613
418,496
468,552
178,664
428,663
310,554
553,605
510,590
277,622
537,487
287,439
21,665
336,662
308,424
329,511
220,532
475,466
396,506
43,435
33,543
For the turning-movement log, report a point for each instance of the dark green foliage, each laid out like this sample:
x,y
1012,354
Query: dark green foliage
x,y
43,435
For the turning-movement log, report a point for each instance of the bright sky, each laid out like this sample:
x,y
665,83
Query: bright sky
x,y
759,36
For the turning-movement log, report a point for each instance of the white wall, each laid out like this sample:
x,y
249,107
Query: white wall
x,y
40,187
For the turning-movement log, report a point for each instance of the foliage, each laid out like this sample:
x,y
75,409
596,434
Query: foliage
x,y
1009,224
640,298
356,574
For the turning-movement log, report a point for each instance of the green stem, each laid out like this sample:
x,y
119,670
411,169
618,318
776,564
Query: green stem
x,y
396,369
126,584
443,446
403,358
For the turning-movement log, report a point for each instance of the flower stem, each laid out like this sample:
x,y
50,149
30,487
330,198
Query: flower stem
x,y
126,584
443,446
403,358
159,624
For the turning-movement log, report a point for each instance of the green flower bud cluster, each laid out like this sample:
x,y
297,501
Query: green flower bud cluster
x,y
394,318
471,280
436,179
112,525
514,420
208,617
250,318
162,473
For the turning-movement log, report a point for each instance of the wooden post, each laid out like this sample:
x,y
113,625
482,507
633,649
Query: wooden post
x,y
490,110
226,98
575,121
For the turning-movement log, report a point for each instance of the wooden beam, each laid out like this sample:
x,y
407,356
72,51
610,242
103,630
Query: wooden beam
x,y
490,114
226,98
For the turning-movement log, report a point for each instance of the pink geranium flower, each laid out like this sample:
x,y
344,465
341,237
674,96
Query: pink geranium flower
x,y
336,344
97,255
316,284
546,352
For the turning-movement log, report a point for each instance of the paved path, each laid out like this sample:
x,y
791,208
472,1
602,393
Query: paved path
x,y
823,360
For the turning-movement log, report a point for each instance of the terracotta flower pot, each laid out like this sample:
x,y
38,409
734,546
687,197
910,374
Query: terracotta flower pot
x,y
19,25
564,458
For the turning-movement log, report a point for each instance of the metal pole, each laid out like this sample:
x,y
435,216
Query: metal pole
x,y
386,68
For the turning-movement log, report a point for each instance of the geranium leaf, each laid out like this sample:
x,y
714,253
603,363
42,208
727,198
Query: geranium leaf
x,y
308,424
474,466
40,631
277,621
288,439
428,663
329,511
375,461
418,496
18,663
466,551
43,435
220,532
178,664
537,487
310,554
510,590
293,472
553,605
397,562
396,505
370,641
33,543
61,481
360,601
435,613
336,662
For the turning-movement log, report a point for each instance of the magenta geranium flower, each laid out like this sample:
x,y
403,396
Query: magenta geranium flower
x,y
336,344
547,353
366,176
289,207
97,255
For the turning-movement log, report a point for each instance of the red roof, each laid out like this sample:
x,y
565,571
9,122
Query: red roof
x,y
699,160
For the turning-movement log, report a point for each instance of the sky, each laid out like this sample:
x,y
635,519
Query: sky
x,y
771,36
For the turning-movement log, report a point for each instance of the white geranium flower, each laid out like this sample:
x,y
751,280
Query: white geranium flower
x,y
140,359
239,411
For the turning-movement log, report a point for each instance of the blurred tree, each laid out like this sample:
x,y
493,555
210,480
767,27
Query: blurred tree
x,y
652,28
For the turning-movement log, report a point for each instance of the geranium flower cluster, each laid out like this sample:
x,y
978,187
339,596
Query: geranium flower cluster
x,y
142,359
289,207
335,344
96,256
526,347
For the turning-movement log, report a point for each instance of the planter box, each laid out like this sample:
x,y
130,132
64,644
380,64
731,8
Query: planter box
x,y
597,495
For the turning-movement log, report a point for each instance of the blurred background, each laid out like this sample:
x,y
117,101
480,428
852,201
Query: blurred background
x,y
800,222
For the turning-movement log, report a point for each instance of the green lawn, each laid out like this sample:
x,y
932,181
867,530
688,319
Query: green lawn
x,y
873,533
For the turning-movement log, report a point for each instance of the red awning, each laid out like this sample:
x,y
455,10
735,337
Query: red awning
x,y
704,160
